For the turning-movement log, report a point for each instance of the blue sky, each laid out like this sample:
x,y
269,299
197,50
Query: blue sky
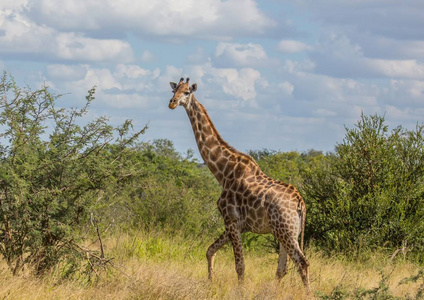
x,y
282,75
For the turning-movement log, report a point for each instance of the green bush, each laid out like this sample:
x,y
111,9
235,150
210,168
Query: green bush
x,y
370,193
172,193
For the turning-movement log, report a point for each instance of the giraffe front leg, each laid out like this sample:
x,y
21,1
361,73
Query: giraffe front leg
x,y
210,254
235,237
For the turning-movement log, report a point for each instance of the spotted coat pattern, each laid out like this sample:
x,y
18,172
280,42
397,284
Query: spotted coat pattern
x,y
250,200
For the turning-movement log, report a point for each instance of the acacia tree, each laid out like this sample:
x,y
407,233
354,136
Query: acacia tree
x,y
52,167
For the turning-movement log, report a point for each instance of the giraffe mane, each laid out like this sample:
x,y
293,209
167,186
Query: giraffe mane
x,y
223,142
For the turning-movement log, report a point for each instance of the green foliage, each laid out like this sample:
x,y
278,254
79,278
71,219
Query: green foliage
x,y
369,194
51,170
171,193
288,167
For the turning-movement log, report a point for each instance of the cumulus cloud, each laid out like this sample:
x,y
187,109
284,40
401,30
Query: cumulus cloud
x,y
126,86
69,46
9,5
161,18
335,90
22,36
240,83
240,55
407,92
286,87
133,78
78,79
395,68
403,114
292,46
294,66
130,71
302,92
390,19
99,77
336,55
375,46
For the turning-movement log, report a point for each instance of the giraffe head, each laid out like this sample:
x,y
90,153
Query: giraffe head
x,y
182,93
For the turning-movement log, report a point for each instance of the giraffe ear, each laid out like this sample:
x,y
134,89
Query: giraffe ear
x,y
193,88
173,85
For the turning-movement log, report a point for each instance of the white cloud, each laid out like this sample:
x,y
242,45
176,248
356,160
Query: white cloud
x,y
133,78
70,46
293,66
292,46
202,19
240,55
375,46
391,19
170,74
128,86
336,55
8,5
407,92
130,71
240,83
286,87
102,78
317,95
404,114
82,78
24,37
394,68
372,38
216,82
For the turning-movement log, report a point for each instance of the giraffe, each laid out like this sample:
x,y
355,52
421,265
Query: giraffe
x,y
250,200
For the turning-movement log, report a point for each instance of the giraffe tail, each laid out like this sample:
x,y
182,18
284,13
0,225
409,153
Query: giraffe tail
x,y
303,216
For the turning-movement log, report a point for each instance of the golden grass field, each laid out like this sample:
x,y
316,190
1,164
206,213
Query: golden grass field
x,y
154,267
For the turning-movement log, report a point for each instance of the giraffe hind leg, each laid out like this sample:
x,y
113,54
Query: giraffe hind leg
x,y
210,254
301,262
288,240
283,260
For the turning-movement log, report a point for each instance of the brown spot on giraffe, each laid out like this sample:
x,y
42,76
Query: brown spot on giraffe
x,y
250,200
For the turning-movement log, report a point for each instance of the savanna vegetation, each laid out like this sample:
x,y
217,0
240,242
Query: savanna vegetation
x,y
87,211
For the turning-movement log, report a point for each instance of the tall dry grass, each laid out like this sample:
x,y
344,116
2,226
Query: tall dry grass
x,y
157,267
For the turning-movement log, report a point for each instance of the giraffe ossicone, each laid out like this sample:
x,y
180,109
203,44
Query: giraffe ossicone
x,y
250,200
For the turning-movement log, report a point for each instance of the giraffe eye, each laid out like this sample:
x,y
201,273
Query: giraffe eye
x,y
186,93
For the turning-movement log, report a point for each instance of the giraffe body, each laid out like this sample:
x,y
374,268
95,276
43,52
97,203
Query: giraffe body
x,y
250,200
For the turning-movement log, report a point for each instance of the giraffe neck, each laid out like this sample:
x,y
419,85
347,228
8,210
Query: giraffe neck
x,y
216,153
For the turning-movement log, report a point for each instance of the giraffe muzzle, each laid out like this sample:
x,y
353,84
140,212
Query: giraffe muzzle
x,y
172,104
